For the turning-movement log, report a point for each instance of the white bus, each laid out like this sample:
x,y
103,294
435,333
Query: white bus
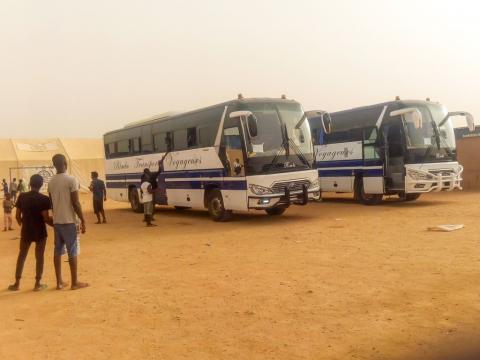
x,y
400,147
239,155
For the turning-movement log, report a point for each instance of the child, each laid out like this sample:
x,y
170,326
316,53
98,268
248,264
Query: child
x,y
7,212
146,193
32,215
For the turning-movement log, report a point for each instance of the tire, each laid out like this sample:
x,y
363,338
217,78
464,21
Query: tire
x,y
366,199
135,203
181,208
215,206
411,197
276,211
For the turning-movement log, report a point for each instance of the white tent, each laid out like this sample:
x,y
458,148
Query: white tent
x,y
21,158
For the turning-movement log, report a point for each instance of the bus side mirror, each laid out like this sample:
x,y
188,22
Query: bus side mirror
x,y
470,122
252,125
327,123
414,116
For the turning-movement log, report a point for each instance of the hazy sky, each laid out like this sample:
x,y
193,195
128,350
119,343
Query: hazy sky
x,y
81,68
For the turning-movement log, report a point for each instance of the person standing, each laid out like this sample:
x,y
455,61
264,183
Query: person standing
x,y
5,188
7,212
99,191
32,215
146,192
21,186
63,190
14,190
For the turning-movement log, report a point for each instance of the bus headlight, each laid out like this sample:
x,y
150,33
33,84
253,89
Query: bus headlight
x,y
315,184
419,175
259,190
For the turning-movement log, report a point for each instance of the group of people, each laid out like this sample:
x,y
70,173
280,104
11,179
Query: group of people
x,y
67,219
10,197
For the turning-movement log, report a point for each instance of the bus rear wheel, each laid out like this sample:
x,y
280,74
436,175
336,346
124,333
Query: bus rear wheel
x,y
135,203
411,197
216,209
276,211
362,197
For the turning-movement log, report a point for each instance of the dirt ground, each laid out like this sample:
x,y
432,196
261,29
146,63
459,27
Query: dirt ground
x,y
333,280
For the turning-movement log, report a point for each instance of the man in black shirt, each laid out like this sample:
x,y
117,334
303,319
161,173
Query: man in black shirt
x,y
32,215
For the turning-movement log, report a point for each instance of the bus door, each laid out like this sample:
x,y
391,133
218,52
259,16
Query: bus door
x,y
394,156
373,170
232,154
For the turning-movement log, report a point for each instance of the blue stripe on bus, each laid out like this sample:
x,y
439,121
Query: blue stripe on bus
x,y
351,172
349,163
172,174
190,184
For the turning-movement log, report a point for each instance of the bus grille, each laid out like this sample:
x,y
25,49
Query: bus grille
x,y
279,187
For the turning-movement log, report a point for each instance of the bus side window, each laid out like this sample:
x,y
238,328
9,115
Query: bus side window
x,y
192,137
318,136
123,147
370,150
135,146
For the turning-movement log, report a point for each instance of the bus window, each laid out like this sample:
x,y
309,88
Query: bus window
x,y
191,137
146,140
123,147
135,146
163,142
206,136
110,150
180,139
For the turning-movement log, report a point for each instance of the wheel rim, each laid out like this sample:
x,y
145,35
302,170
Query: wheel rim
x,y
216,206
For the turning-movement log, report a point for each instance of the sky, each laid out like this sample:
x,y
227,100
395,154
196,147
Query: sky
x,y
82,68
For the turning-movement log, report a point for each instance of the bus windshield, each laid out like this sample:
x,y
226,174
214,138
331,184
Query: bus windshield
x,y
282,142
434,141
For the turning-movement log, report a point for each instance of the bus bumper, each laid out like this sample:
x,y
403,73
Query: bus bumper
x,y
424,181
262,202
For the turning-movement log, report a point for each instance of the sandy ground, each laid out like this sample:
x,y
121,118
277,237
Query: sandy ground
x,y
333,280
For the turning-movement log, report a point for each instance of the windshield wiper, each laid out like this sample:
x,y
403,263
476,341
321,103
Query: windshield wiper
x,y
299,152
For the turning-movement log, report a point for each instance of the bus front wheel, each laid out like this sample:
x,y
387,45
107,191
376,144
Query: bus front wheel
x,y
276,211
362,197
135,200
411,197
216,209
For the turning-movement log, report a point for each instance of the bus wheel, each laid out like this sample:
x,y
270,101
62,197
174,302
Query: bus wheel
x,y
276,211
216,209
135,203
362,197
411,197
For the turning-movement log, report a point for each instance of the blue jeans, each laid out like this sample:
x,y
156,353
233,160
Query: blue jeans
x,y
66,234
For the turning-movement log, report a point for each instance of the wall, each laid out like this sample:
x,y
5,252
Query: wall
x,y
468,150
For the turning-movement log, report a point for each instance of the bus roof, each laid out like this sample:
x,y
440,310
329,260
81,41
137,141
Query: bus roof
x,y
173,115
365,116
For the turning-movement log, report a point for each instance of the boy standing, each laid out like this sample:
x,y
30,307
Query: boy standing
x,y
146,192
5,188
97,187
63,190
32,215
7,212
14,189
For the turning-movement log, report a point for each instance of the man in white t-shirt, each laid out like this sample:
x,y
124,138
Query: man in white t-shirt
x,y
146,192
63,191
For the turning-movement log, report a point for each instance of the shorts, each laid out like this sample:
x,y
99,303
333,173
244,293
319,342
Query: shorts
x,y
148,208
97,205
66,234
